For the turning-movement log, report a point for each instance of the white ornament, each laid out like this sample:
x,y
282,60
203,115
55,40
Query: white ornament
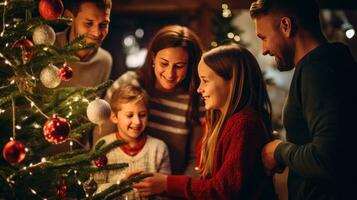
x,y
44,34
50,76
98,111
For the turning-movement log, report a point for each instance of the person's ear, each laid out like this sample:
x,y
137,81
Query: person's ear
x,y
113,117
68,13
286,26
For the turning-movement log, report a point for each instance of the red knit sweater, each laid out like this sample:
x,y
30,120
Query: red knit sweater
x,y
238,171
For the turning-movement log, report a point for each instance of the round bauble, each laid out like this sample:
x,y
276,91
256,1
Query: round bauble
x,y
49,76
98,111
101,161
56,130
50,9
66,73
62,190
44,34
14,152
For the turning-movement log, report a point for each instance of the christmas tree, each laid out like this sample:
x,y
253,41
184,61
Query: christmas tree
x,y
223,29
36,114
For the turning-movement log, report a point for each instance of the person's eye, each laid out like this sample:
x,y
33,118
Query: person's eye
x,y
129,115
164,64
104,26
142,115
179,66
204,80
88,24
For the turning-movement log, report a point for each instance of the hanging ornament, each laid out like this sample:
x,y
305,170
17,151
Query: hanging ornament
x,y
98,111
66,73
56,130
90,186
25,45
101,161
44,34
14,152
62,189
49,76
50,9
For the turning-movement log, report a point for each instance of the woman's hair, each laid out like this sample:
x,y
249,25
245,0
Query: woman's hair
x,y
247,89
128,93
168,37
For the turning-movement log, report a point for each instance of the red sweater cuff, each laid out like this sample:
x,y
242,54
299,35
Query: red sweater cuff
x,y
176,185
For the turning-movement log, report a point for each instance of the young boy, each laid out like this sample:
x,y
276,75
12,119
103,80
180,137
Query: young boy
x,y
90,18
142,152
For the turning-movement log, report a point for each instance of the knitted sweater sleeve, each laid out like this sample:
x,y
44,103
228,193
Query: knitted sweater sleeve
x,y
319,97
240,146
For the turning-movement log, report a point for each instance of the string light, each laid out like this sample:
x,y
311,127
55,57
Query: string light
x,y
3,18
35,125
236,38
85,100
230,35
43,159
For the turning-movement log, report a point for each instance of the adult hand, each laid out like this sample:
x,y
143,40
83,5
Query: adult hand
x,y
269,162
155,184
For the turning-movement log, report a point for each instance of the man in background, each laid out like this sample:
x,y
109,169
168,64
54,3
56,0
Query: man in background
x,y
320,108
90,18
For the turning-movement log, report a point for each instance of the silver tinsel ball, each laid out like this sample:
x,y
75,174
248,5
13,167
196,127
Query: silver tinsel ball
x,y
50,76
98,111
44,34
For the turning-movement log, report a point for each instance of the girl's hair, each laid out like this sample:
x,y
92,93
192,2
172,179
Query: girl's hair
x,y
175,36
128,93
247,89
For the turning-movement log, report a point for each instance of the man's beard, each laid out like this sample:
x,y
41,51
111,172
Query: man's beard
x,y
286,63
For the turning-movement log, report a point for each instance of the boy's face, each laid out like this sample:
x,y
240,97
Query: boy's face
x,y
92,22
131,120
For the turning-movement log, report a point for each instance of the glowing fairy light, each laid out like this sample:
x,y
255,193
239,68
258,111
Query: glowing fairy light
x,y
33,191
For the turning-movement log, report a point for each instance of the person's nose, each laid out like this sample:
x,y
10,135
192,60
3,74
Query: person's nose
x,y
136,120
199,89
265,50
95,31
170,72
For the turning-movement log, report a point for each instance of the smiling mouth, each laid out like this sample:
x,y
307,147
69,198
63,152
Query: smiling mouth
x,y
169,80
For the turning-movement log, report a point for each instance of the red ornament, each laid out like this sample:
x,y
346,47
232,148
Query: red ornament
x,y
101,161
50,9
62,190
66,73
14,152
56,130
25,45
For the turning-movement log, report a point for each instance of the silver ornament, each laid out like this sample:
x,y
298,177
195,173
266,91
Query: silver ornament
x,y
44,34
98,111
49,76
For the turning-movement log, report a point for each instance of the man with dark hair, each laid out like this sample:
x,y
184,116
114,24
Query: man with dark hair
x,y
319,109
90,18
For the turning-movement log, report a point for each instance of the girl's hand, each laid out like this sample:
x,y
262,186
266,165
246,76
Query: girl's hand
x,y
155,184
